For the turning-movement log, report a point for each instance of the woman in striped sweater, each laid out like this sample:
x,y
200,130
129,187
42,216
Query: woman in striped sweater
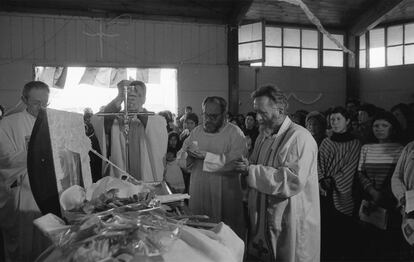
x,y
337,165
376,166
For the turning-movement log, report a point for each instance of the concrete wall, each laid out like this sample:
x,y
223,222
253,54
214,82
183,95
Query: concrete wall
x,y
309,89
388,86
198,51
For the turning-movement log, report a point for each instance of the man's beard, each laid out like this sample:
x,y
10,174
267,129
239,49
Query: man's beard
x,y
268,125
212,128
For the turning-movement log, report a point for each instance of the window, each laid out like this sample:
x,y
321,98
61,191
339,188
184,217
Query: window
x,y
362,52
75,88
291,47
377,48
279,46
389,46
251,42
332,54
395,45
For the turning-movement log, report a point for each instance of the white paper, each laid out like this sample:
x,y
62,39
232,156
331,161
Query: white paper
x,y
409,201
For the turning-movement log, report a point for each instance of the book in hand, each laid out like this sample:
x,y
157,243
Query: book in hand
x,y
373,214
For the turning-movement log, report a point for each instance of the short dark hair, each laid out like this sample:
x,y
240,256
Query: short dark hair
x,y
405,110
193,117
139,83
341,110
167,115
189,107
34,85
252,114
273,93
217,100
318,117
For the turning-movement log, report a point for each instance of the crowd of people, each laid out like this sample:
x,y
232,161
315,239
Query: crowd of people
x,y
306,186
359,147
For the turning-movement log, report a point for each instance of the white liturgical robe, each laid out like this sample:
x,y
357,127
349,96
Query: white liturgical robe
x,y
284,195
214,189
18,209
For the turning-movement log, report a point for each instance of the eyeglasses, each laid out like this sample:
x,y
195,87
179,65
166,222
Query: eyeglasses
x,y
211,116
38,103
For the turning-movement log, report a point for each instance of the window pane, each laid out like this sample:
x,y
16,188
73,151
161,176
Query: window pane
x,y
250,51
409,34
273,56
250,32
291,37
362,42
333,58
395,35
328,44
310,38
409,54
376,57
256,64
309,58
376,38
362,59
395,55
291,57
273,36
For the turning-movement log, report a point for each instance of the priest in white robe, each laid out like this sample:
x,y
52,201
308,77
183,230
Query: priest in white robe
x,y
148,138
18,209
284,191
215,188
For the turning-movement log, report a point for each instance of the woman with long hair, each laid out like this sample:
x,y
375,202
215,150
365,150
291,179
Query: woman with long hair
x,y
376,166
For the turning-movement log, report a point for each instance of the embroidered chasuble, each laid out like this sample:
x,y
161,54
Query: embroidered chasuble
x,y
136,132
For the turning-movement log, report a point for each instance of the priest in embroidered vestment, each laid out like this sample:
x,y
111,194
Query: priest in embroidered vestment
x,y
148,138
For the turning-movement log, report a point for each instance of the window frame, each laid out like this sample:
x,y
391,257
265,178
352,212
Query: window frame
x,y
300,47
386,46
322,49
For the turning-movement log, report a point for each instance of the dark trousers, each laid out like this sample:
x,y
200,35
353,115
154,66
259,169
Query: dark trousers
x,y
339,234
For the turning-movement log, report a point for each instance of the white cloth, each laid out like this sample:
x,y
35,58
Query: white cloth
x,y
153,147
68,138
214,189
284,192
403,177
18,209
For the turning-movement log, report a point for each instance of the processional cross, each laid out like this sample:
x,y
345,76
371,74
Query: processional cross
x,y
126,116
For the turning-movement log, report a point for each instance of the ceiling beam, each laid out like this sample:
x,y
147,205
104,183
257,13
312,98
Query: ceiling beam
x,y
239,11
373,16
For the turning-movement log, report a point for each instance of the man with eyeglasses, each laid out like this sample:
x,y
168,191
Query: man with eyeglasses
x,y
215,187
18,208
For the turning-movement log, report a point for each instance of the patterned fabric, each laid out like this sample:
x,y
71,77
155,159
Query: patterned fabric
x,y
339,161
68,138
377,163
403,177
